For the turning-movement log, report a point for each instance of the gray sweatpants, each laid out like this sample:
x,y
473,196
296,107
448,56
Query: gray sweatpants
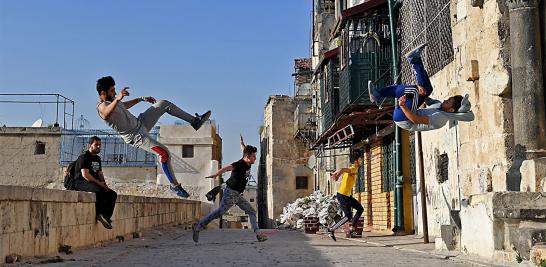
x,y
229,199
143,139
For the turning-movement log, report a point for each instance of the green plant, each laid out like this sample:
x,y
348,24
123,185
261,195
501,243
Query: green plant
x,y
542,263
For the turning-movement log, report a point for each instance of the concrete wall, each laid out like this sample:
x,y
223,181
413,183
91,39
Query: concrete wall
x,y
34,222
130,174
18,163
479,152
191,172
287,157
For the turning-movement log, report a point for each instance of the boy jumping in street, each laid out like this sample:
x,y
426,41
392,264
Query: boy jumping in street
x,y
233,193
344,196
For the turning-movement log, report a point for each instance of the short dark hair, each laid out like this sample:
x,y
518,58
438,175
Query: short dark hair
x,y
354,155
457,102
104,83
93,139
249,150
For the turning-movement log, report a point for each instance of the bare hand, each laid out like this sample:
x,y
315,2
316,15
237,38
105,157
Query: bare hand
x,y
402,101
103,185
149,99
124,92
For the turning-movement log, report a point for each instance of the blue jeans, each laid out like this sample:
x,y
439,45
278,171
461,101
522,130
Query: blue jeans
x,y
230,197
414,100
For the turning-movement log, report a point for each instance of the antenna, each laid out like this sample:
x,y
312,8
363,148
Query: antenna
x,y
82,123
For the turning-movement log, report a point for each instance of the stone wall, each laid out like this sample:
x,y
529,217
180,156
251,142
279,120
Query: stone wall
x,y
20,165
286,158
478,153
35,222
130,174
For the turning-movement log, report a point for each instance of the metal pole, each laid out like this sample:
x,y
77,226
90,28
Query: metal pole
x,y
398,197
422,187
57,113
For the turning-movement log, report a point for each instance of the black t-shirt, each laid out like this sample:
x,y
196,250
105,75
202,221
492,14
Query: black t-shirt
x,y
90,162
239,176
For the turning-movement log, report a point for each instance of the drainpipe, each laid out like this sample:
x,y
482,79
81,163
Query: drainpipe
x,y
398,200
527,80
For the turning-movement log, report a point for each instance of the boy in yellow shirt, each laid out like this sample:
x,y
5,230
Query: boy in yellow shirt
x,y
344,195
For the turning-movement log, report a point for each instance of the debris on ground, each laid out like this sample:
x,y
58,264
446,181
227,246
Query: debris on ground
x,y
326,208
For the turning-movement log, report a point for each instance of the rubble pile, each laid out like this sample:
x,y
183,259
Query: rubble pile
x,y
326,208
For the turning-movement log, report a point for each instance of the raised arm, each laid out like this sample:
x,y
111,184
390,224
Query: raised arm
x,y
242,142
221,171
409,114
106,110
335,175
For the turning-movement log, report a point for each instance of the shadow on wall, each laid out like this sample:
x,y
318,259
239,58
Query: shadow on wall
x,y
513,178
181,166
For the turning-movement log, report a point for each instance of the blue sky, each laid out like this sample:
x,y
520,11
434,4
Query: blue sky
x,y
227,56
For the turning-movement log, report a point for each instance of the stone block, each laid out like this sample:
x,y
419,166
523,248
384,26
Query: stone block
x,y
68,211
538,253
53,195
86,197
533,175
4,247
9,192
7,217
22,215
16,242
527,235
54,240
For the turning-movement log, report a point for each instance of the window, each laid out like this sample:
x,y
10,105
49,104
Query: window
x,y
388,163
251,200
442,168
39,148
244,219
187,151
301,182
117,158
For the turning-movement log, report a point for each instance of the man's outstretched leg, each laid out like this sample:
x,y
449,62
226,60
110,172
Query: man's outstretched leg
x,y
153,146
247,208
150,117
414,59
229,198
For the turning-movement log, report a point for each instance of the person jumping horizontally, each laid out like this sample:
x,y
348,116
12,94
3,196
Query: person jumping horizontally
x,y
413,95
135,130
233,193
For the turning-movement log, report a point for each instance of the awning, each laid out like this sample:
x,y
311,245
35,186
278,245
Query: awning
x,y
355,11
326,57
365,122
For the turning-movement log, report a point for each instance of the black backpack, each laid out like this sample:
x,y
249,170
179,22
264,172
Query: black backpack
x,y
70,179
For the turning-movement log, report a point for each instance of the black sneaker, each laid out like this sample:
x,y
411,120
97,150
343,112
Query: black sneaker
x,y
104,222
330,233
210,197
195,235
200,119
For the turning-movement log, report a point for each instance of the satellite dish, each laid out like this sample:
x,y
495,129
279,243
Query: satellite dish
x,y
38,123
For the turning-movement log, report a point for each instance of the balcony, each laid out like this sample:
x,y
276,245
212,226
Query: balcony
x,y
365,55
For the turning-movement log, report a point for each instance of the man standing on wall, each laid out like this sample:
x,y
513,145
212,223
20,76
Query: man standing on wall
x,y
135,131
89,178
